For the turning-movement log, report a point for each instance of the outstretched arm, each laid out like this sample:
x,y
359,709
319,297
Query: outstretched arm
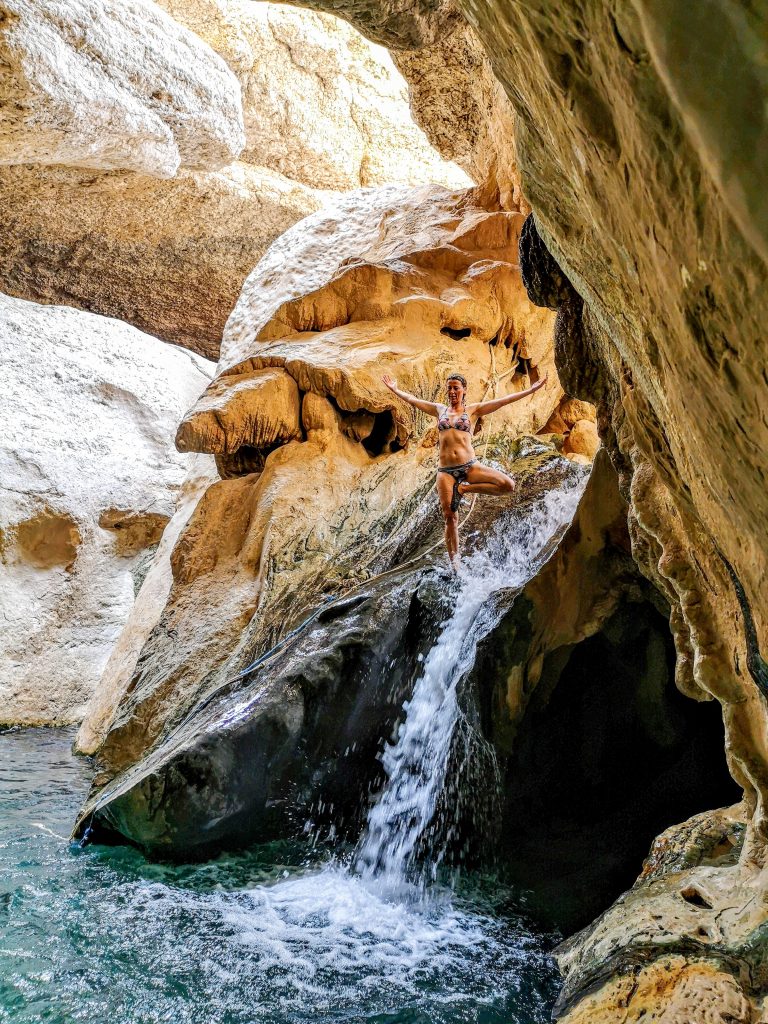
x,y
483,408
406,396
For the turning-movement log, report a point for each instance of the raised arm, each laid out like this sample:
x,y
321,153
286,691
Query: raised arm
x,y
406,396
483,408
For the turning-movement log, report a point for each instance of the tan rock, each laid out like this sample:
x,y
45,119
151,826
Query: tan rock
x,y
113,85
418,282
555,424
172,263
574,410
89,482
583,439
260,408
668,991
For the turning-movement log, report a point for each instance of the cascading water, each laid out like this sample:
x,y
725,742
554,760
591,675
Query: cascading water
x,y
416,763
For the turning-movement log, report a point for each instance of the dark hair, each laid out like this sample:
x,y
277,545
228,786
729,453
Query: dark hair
x,y
457,376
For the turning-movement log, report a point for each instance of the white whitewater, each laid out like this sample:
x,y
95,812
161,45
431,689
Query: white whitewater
x,y
416,762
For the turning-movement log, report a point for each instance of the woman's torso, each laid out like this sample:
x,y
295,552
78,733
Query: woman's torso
x,y
454,436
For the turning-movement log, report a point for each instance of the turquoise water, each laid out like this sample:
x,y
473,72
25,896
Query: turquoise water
x,y
263,936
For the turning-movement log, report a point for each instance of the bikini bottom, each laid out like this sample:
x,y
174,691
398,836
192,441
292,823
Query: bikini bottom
x,y
459,473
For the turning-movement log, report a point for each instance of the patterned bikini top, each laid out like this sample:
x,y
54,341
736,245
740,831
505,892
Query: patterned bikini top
x,y
462,422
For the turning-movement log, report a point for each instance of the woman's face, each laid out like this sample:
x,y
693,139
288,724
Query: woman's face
x,y
455,391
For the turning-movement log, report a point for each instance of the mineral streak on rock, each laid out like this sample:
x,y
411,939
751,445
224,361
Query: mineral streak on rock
x,y
90,479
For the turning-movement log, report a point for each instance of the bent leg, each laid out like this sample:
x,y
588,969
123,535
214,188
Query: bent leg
x,y
445,493
484,480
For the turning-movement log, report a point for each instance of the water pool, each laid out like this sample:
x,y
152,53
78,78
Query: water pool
x,y
263,936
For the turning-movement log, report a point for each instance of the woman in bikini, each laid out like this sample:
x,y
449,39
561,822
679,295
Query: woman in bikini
x,y
459,472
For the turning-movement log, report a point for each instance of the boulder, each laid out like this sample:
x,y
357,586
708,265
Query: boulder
x,y
292,733
583,439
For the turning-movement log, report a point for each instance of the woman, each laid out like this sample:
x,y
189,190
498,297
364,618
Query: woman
x,y
459,472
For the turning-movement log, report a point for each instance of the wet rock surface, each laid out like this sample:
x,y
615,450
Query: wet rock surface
x,y
295,738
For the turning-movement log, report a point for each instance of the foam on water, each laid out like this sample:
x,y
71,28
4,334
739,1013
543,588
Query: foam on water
x,y
253,937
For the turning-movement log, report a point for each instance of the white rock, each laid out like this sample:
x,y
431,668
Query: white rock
x,y
323,105
90,478
113,84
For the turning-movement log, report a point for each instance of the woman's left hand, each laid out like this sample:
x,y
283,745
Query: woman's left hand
x,y
540,383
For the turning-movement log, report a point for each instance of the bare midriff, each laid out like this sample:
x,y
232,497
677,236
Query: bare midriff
x,y
455,445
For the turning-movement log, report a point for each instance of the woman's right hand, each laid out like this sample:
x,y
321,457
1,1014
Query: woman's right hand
x,y
390,383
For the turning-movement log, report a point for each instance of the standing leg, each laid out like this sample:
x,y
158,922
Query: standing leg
x,y
444,493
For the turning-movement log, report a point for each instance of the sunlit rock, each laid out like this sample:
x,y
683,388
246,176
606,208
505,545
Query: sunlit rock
x,y
418,282
90,479
322,104
112,86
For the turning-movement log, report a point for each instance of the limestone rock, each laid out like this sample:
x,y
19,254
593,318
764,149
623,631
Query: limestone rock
x,y
572,410
668,991
108,85
89,482
145,613
464,110
172,263
583,439
260,408
322,105
418,281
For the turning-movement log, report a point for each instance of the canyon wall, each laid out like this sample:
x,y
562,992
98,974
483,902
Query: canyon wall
x,y
230,127
90,480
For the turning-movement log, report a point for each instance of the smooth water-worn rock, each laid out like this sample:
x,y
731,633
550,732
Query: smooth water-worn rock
x,y
295,738
90,480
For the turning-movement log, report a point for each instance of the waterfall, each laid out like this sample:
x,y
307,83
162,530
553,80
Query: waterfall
x,y
416,762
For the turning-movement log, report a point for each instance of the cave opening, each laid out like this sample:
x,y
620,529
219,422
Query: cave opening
x,y
608,755
382,432
457,333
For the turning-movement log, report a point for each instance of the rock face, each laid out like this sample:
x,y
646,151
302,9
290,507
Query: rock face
x,y
89,482
322,105
113,86
300,729
623,138
421,282
173,262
